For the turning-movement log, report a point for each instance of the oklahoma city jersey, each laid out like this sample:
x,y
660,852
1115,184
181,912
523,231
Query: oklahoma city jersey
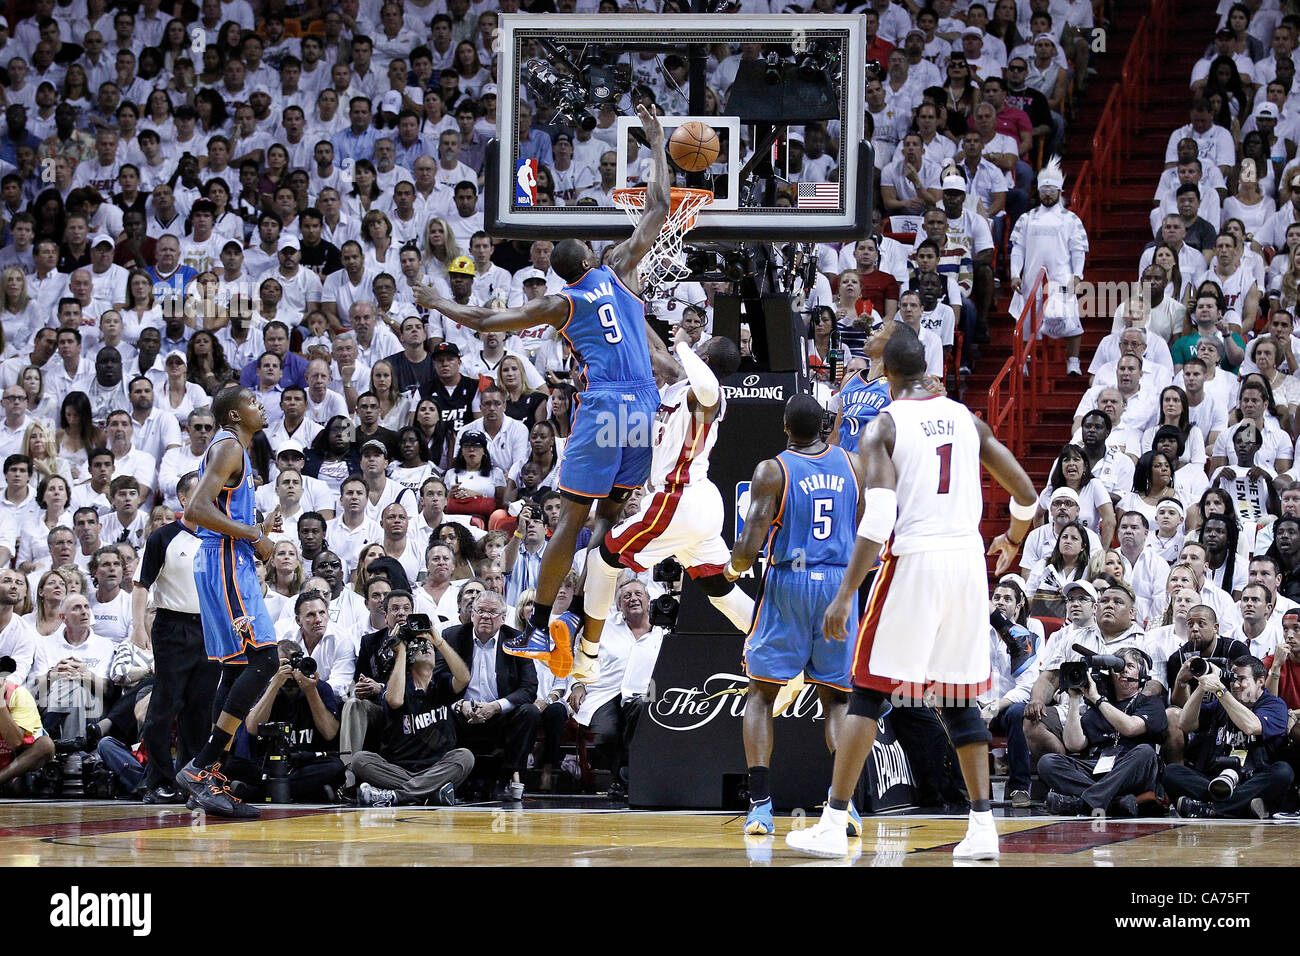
x,y
682,444
860,402
606,330
937,457
237,501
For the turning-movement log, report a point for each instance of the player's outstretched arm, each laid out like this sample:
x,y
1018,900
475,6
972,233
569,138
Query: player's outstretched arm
x,y
548,310
629,253
704,384
879,507
1006,471
765,490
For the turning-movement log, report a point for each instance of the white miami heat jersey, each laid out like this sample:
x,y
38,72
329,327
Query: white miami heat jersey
x,y
937,457
682,444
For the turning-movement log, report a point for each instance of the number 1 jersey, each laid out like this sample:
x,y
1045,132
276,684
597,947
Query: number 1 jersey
x,y
937,458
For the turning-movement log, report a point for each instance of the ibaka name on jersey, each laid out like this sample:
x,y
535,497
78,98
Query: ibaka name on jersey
x,y
603,291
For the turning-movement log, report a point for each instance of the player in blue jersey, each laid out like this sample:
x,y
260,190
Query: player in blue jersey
x,y
237,628
601,315
805,504
865,392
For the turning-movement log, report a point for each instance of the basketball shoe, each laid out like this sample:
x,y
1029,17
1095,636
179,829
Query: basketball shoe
x,y
759,821
563,629
980,842
829,838
205,791
534,643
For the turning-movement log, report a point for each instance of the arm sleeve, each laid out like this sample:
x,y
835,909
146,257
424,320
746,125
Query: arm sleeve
x,y
703,382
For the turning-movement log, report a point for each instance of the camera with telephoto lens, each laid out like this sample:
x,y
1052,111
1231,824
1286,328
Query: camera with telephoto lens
x,y
1198,667
279,745
1229,773
1073,675
668,571
303,664
413,627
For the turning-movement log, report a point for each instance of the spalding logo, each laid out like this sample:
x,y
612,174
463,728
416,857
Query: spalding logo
x,y
750,381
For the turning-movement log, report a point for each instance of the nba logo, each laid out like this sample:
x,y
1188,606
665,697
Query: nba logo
x,y
742,505
526,183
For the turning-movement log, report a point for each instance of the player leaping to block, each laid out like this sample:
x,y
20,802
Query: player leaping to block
x,y
237,628
681,514
601,315
924,634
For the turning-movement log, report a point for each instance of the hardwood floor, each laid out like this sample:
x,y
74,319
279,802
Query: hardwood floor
x,y
123,834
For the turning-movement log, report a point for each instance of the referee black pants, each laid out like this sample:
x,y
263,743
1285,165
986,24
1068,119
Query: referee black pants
x,y
185,682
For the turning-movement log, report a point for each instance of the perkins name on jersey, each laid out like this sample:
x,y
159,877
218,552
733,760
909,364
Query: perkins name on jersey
x,y
821,482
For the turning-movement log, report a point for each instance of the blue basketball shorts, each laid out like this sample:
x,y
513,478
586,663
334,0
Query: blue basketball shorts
x,y
234,615
612,441
786,636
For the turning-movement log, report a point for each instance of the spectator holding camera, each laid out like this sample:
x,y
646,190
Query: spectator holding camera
x,y
299,704
334,653
418,761
363,712
523,555
1233,733
1113,629
1203,641
1110,744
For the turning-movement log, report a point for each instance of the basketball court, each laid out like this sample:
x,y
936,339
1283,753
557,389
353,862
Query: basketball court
x,y
564,833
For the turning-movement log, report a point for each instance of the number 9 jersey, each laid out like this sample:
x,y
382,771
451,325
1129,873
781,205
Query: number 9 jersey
x,y
606,330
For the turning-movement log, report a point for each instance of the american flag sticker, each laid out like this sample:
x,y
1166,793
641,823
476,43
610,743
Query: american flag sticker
x,y
818,196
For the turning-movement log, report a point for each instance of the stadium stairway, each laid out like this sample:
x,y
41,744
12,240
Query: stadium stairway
x,y
1116,245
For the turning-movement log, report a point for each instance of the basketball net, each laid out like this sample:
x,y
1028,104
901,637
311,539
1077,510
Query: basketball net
x,y
665,262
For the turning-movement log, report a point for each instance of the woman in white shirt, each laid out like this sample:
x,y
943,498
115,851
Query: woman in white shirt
x,y
1174,411
474,485
17,311
1073,470
179,396
52,495
412,467
394,406
41,405
1067,562
38,445
141,310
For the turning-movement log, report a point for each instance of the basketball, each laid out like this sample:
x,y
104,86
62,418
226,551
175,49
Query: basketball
x,y
693,146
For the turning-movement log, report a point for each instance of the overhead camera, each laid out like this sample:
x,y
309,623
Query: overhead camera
x,y
664,610
577,95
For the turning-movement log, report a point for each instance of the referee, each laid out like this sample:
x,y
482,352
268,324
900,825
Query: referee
x,y
185,681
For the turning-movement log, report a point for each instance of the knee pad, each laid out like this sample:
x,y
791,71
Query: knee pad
x,y
871,704
715,585
965,726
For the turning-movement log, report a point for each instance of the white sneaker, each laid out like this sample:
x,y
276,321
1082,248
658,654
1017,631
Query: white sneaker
x,y
825,839
981,843
369,796
1072,367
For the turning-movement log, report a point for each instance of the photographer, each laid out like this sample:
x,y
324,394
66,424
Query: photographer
x,y
298,704
334,653
1113,629
1203,641
1233,733
419,761
1110,744
363,712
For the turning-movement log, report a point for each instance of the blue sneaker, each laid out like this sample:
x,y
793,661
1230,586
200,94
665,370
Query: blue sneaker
x,y
759,821
534,643
854,829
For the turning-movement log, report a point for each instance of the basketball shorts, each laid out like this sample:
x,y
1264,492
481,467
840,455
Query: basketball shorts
x,y
926,626
234,615
786,637
684,524
611,442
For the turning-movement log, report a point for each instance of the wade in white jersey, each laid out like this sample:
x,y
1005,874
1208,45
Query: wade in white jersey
x,y
682,515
